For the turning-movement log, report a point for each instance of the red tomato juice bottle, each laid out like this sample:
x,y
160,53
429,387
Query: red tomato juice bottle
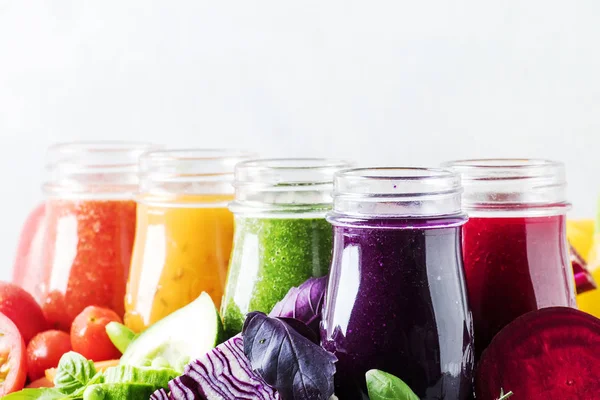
x,y
515,249
90,227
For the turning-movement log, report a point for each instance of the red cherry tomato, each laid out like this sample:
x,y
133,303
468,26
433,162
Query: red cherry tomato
x,y
55,311
44,352
12,357
29,265
89,337
22,309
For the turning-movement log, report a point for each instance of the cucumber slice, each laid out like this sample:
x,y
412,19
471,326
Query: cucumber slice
x,y
174,341
156,377
118,391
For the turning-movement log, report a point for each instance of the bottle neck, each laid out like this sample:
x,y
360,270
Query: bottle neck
x,y
103,170
512,187
189,178
285,188
392,198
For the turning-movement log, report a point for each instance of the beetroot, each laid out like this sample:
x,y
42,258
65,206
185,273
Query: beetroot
x,y
550,354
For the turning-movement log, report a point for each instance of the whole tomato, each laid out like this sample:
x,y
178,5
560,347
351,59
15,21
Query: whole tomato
x,y
55,311
22,309
89,337
44,352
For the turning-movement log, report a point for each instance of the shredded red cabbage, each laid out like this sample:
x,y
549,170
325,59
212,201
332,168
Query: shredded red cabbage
x,y
222,374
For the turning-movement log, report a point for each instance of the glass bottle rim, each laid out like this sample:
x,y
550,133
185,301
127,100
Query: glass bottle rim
x,y
94,168
288,171
397,192
300,185
167,174
512,186
505,168
443,178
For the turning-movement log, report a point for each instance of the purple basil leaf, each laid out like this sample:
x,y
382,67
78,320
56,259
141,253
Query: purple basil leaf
x,y
302,329
303,303
296,367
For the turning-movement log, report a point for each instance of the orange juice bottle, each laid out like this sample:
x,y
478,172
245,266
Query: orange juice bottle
x,y
184,232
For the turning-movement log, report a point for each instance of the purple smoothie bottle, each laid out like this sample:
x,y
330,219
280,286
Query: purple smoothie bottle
x,y
396,299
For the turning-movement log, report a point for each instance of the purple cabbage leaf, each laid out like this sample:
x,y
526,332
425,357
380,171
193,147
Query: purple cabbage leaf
x,y
303,303
286,360
160,394
224,373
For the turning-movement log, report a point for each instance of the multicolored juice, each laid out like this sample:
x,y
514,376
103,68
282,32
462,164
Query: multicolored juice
x,y
182,249
87,252
514,265
396,302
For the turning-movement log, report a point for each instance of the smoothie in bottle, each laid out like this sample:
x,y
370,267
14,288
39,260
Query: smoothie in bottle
x,y
396,299
281,235
515,246
184,232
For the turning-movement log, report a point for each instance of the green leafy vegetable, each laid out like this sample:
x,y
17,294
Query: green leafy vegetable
x,y
120,335
74,372
384,386
36,394
77,379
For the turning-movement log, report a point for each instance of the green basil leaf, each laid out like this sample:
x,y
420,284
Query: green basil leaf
x,y
74,372
384,386
36,394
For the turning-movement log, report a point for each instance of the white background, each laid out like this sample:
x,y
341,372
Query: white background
x,y
398,82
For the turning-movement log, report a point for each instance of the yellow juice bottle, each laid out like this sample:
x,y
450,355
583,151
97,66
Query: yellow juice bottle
x,y
183,238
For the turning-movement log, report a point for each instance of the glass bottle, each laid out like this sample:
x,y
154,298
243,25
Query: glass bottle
x,y
515,246
396,298
184,232
89,227
281,235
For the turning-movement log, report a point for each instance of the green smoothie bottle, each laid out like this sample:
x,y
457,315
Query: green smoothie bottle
x,y
281,236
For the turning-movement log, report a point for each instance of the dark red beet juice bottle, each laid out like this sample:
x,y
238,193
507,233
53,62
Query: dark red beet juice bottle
x,y
396,299
515,248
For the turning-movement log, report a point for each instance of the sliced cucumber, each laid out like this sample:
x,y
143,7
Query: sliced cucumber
x,y
181,337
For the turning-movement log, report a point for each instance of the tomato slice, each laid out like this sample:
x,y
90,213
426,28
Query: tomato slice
x,y
13,357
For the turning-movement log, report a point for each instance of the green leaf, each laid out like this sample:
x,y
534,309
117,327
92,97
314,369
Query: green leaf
x,y
37,394
74,372
384,386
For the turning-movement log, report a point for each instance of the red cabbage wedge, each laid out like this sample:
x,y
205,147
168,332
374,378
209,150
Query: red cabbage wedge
x,y
549,354
222,374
